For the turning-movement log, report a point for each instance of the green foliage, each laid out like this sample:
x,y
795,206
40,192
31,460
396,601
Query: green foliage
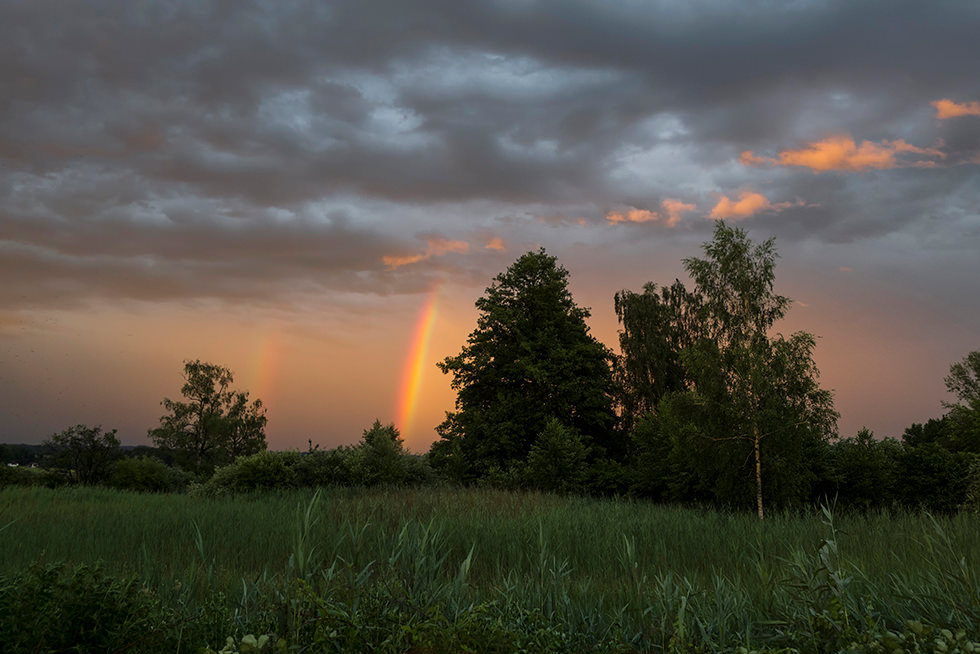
x,y
935,430
933,478
17,475
259,471
215,425
866,471
147,475
48,608
732,392
380,458
530,358
655,328
964,416
439,570
557,461
82,454
325,468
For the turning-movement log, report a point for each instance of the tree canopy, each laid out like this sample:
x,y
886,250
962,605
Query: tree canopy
x,y
963,381
82,454
530,359
727,391
655,328
215,424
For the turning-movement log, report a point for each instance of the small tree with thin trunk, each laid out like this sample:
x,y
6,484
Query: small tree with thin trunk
x,y
754,387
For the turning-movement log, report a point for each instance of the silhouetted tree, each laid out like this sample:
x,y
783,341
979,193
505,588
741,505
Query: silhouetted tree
x,y
935,430
531,358
84,455
654,328
865,470
964,416
215,424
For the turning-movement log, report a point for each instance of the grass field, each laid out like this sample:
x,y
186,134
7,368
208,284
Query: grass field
x,y
544,572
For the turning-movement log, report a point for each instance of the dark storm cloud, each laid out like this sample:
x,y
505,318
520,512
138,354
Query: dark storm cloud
x,y
147,144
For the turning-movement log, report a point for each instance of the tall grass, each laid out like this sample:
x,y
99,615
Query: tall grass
x,y
651,576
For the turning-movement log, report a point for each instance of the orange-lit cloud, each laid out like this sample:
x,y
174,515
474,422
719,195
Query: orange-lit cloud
x,y
435,247
947,108
496,243
843,153
440,246
669,216
674,209
748,204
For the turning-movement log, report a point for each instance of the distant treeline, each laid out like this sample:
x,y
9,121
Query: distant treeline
x,y
927,469
706,404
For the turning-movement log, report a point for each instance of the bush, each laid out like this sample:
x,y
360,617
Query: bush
x,y
325,468
147,475
263,471
27,476
557,461
380,459
47,609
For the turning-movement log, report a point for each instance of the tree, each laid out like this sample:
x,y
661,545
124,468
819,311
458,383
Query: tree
x,y
964,416
935,430
865,470
215,424
531,358
655,328
83,454
557,460
754,388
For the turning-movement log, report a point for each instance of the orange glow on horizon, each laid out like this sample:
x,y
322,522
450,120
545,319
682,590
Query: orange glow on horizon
x,y
415,365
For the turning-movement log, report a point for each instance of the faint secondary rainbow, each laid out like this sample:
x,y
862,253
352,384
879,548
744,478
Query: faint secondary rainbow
x,y
264,364
416,363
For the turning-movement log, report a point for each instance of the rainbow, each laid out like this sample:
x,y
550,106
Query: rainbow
x,y
264,364
416,363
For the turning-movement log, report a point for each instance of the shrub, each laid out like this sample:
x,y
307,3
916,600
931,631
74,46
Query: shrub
x,y
325,468
27,476
263,471
557,461
147,475
48,609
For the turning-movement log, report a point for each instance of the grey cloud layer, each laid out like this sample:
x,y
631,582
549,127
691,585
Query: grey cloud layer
x,y
169,150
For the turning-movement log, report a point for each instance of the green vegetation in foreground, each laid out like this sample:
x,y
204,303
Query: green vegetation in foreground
x,y
444,570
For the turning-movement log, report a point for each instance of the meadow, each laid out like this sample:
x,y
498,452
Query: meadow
x,y
451,569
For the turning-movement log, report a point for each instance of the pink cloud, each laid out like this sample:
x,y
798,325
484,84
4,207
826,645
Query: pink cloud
x,y
435,247
670,216
843,153
748,204
496,243
947,108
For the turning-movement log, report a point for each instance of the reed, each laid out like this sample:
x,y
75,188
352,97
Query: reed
x,y
645,576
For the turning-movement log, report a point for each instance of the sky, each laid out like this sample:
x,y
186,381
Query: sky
x,y
314,194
